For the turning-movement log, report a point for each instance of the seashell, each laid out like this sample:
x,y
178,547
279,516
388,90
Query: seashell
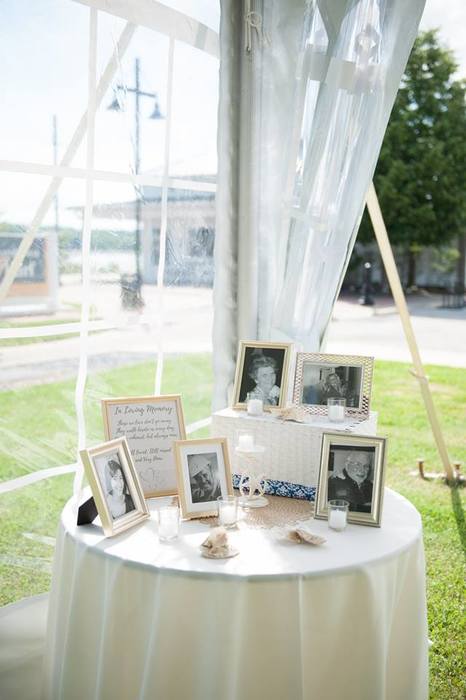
x,y
223,553
216,539
300,536
291,413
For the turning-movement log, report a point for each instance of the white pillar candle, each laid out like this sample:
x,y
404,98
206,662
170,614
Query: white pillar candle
x,y
255,407
227,510
336,413
337,519
227,514
246,442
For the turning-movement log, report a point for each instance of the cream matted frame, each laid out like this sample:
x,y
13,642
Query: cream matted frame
x,y
365,364
88,457
343,440
243,346
202,446
148,475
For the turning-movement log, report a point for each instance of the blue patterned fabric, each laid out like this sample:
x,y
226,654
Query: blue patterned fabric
x,y
274,487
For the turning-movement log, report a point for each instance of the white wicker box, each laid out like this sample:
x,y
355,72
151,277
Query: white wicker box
x,y
292,458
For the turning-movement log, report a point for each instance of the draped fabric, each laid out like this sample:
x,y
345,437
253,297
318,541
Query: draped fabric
x,y
306,92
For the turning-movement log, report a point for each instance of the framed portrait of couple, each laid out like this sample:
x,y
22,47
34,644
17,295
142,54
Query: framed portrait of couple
x,y
320,377
352,469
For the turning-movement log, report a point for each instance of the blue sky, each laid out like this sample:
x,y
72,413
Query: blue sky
x,y
43,54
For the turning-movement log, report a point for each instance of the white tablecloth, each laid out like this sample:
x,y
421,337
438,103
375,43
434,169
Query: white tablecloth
x,y
130,617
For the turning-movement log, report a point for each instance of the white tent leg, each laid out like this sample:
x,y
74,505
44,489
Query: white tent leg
x,y
386,252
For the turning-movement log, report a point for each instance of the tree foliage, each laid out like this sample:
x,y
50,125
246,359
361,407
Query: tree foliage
x,y
420,175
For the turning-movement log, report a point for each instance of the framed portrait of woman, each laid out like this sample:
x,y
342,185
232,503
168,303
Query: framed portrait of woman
x,y
261,373
115,485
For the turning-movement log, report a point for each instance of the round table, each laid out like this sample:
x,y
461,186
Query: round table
x,y
131,617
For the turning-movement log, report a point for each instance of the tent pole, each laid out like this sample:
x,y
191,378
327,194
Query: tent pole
x,y
386,252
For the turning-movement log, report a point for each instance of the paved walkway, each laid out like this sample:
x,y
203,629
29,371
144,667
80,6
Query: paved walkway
x,y
354,330
377,331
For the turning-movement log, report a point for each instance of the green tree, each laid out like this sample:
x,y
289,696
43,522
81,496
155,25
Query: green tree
x,y
420,175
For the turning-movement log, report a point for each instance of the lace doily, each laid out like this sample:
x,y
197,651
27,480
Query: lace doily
x,y
280,512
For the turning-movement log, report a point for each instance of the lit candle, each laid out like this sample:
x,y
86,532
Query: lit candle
x,y
337,519
336,413
336,410
227,511
246,442
255,407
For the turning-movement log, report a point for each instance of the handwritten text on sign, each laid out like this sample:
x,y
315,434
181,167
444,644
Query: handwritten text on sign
x,y
150,428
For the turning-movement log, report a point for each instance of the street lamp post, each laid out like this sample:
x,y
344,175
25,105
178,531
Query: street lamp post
x,y
133,292
366,298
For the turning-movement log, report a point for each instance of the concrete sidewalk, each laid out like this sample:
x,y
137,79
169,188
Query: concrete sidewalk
x,y
377,330
354,330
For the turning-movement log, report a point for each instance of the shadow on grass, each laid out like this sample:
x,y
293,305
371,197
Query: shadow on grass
x,y
459,514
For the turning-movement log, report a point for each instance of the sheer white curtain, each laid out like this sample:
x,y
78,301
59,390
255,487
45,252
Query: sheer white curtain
x,y
306,89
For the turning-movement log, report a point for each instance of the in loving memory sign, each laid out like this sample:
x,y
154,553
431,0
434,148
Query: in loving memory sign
x,y
150,424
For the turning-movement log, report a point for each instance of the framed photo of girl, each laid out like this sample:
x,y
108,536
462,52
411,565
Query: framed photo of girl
x,y
204,474
320,377
352,468
115,485
261,373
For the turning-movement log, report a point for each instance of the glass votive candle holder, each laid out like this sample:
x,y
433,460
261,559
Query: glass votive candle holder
x,y
244,440
255,407
336,410
169,523
227,511
337,514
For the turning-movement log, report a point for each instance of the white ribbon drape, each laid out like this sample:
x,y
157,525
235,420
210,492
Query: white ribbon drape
x,y
301,122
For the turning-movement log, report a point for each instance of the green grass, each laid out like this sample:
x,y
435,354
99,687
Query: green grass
x,y
49,438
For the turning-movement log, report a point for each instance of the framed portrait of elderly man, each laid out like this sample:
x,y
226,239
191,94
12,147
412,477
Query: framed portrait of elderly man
x,y
115,486
352,468
321,377
204,474
261,373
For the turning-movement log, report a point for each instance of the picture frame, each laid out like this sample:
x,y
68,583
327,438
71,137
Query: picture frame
x,y
151,425
204,474
115,486
352,468
319,377
261,373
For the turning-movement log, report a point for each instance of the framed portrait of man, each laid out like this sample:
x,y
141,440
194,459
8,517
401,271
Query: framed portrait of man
x,y
261,373
204,474
352,469
115,485
320,377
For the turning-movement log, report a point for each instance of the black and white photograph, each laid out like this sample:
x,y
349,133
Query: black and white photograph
x,y
322,377
115,485
323,382
352,469
261,373
204,477
350,476
117,493
203,474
